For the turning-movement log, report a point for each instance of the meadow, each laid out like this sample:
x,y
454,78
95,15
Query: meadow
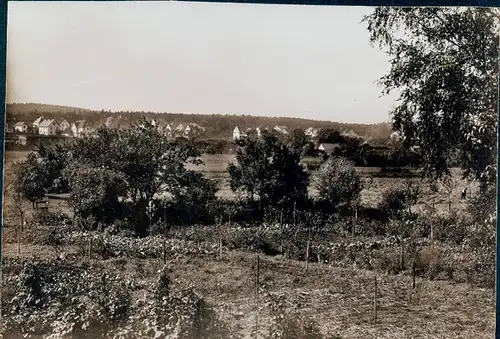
x,y
349,286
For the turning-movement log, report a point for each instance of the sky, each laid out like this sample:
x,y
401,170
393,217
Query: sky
x,y
312,62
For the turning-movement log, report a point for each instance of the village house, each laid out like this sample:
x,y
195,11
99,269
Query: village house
x,y
21,127
36,123
328,148
312,132
236,133
48,127
80,128
166,129
188,131
281,129
64,125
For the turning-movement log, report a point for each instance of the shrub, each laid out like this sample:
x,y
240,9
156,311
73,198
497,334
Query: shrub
x,y
337,182
397,200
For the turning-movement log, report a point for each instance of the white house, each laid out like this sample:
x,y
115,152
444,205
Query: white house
x,y
64,125
48,127
37,122
236,133
281,129
188,131
80,128
167,129
21,126
311,132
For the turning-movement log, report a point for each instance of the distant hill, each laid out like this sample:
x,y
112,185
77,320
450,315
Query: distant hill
x,y
34,107
216,125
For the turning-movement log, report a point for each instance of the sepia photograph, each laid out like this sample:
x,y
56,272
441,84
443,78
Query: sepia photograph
x,y
217,170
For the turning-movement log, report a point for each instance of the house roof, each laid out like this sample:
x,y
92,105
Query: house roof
x,y
63,121
47,123
80,123
38,120
20,123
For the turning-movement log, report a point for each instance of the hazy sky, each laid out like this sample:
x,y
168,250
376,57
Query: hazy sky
x,y
302,61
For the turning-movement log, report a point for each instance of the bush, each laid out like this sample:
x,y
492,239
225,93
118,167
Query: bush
x,y
397,200
337,182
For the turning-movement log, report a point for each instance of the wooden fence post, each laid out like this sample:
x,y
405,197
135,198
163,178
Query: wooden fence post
x,y
413,273
19,240
307,248
294,212
164,250
90,247
375,297
257,298
401,256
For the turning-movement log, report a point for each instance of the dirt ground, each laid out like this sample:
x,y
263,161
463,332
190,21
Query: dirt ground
x,y
341,301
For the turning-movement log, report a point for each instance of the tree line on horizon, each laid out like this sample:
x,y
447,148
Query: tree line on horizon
x,y
216,125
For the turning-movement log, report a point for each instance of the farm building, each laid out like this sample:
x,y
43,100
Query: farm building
x,y
21,126
48,127
328,148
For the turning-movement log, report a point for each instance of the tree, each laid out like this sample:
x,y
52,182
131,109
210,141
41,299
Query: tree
x,y
296,140
445,68
151,166
14,191
31,179
96,192
309,150
267,168
329,136
337,182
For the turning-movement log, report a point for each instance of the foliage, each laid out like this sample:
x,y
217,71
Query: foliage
x,y
57,300
397,200
297,140
267,168
30,179
95,192
337,182
137,164
445,69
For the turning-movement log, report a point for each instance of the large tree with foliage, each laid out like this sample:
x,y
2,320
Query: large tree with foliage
x,y
144,162
444,64
266,168
296,140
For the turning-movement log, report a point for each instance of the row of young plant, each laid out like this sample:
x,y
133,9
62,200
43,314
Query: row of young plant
x,y
48,299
